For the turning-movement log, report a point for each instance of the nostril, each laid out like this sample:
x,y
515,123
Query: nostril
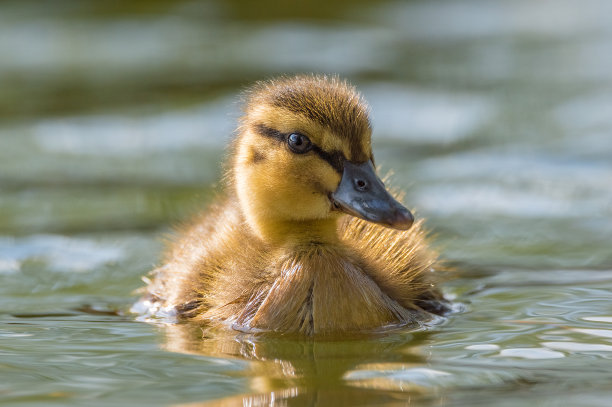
x,y
361,185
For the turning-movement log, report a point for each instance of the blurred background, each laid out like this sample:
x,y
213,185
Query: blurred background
x,y
494,115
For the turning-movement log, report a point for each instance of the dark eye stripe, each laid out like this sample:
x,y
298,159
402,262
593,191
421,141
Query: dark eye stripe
x,y
335,158
264,130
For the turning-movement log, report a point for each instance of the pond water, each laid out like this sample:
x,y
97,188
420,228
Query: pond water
x,y
495,116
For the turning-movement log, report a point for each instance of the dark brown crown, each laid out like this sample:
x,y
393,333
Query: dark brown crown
x,y
325,100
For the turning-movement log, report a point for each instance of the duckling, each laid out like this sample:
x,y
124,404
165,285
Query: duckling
x,y
306,239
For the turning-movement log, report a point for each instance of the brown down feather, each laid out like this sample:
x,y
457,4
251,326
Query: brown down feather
x,y
222,268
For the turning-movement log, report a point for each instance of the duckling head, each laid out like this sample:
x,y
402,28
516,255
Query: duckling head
x,y
303,156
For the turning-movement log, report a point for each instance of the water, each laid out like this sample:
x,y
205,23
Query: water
x,y
496,116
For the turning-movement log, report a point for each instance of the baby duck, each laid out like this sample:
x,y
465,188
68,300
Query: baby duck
x,y
307,239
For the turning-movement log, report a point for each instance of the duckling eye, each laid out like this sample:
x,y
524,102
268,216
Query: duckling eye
x,y
299,143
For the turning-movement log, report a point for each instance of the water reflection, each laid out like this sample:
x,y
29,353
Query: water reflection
x,y
311,372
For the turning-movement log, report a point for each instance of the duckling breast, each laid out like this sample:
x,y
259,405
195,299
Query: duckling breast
x,y
321,291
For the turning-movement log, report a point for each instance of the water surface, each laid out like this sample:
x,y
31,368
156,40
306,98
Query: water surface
x,y
495,116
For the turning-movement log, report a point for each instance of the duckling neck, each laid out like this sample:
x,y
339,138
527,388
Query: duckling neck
x,y
294,233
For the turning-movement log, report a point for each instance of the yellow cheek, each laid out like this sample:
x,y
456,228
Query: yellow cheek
x,y
285,186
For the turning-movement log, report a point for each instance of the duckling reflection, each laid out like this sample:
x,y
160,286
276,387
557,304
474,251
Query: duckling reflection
x,y
307,239
304,371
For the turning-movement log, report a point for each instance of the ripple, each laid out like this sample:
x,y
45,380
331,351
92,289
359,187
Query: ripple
x,y
577,347
61,253
531,353
587,112
599,319
9,265
483,346
426,116
515,183
490,199
207,125
477,19
397,377
604,333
